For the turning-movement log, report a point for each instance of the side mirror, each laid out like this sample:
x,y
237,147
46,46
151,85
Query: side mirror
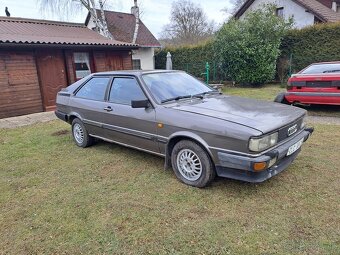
x,y
140,103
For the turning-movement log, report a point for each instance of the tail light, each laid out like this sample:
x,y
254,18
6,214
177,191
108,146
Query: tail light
x,y
289,85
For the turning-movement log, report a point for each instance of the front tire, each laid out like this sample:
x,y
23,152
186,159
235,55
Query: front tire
x,y
80,134
192,164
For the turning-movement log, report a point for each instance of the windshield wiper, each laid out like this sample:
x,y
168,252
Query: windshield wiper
x,y
181,97
209,92
175,98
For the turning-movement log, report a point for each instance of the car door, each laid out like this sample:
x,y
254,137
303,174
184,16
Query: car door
x,y
89,103
134,127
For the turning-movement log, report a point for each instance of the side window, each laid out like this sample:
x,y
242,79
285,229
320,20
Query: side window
x,y
94,89
124,90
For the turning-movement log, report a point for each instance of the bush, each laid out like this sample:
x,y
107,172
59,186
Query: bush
x,y
248,49
312,44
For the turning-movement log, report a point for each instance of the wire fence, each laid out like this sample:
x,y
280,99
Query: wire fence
x,y
200,69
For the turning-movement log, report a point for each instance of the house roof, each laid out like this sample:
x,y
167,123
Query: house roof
x,y
122,27
321,11
32,32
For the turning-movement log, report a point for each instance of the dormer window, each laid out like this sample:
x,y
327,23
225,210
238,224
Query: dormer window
x,y
279,12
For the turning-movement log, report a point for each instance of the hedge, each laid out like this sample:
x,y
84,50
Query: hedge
x,y
191,59
318,43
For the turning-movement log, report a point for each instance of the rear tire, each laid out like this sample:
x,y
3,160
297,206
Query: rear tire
x,y
80,134
192,164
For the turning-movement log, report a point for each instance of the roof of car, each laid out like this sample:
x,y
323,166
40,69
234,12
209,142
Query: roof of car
x,y
326,63
134,72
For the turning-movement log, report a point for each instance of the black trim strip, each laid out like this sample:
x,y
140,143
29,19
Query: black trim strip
x,y
313,94
64,94
127,131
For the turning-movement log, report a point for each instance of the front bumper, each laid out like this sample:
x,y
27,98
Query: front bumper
x,y
241,167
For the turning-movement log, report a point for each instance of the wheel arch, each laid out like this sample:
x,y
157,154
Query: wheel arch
x,y
184,135
72,116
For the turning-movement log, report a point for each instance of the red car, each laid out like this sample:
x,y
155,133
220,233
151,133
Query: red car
x,y
319,83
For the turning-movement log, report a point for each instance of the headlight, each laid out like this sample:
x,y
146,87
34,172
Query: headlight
x,y
263,143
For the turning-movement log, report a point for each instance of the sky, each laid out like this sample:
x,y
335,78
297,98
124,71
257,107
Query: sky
x,y
156,13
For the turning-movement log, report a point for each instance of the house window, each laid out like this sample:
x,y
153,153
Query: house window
x,y
82,64
279,12
136,65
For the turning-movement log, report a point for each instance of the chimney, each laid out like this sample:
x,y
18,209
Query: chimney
x,y
135,9
334,6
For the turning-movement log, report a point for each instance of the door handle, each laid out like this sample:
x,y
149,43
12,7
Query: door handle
x,y
108,109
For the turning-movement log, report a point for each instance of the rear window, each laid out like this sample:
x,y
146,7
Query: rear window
x,y
322,68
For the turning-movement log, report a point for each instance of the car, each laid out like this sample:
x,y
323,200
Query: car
x,y
318,83
199,131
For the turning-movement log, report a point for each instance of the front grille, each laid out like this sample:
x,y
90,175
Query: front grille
x,y
284,133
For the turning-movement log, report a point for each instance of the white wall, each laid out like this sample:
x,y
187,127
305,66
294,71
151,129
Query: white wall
x,y
146,55
290,9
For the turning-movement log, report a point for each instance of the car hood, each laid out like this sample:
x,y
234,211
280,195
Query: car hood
x,y
260,115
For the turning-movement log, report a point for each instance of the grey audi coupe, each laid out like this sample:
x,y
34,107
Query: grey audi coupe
x,y
200,132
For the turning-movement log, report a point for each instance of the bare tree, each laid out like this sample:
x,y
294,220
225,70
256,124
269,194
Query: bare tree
x,y
236,5
64,7
188,24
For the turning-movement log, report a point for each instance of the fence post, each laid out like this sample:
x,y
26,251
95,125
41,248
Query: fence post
x,y
207,69
290,64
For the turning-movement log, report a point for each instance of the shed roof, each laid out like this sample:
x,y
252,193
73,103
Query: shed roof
x,y
321,11
122,27
30,31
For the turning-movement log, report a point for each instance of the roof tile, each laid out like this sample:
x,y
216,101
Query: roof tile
x,y
319,10
29,31
122,27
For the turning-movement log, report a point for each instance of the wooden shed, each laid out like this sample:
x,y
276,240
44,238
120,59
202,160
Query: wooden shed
x,y
38,58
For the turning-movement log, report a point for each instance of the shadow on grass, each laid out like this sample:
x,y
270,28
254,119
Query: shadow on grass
x,y
322,110
219,183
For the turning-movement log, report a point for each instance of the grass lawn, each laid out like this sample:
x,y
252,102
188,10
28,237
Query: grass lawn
x,y
269,92
56,198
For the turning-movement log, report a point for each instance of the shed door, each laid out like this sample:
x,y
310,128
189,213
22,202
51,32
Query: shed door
x,y
52,75
114,61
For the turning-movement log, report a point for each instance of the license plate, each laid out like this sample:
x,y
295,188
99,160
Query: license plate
x,y
295,147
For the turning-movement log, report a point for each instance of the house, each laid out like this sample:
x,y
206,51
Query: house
x,y
129,28
304,12
38,58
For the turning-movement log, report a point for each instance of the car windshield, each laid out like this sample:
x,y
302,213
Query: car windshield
x,y
322,68
174,86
